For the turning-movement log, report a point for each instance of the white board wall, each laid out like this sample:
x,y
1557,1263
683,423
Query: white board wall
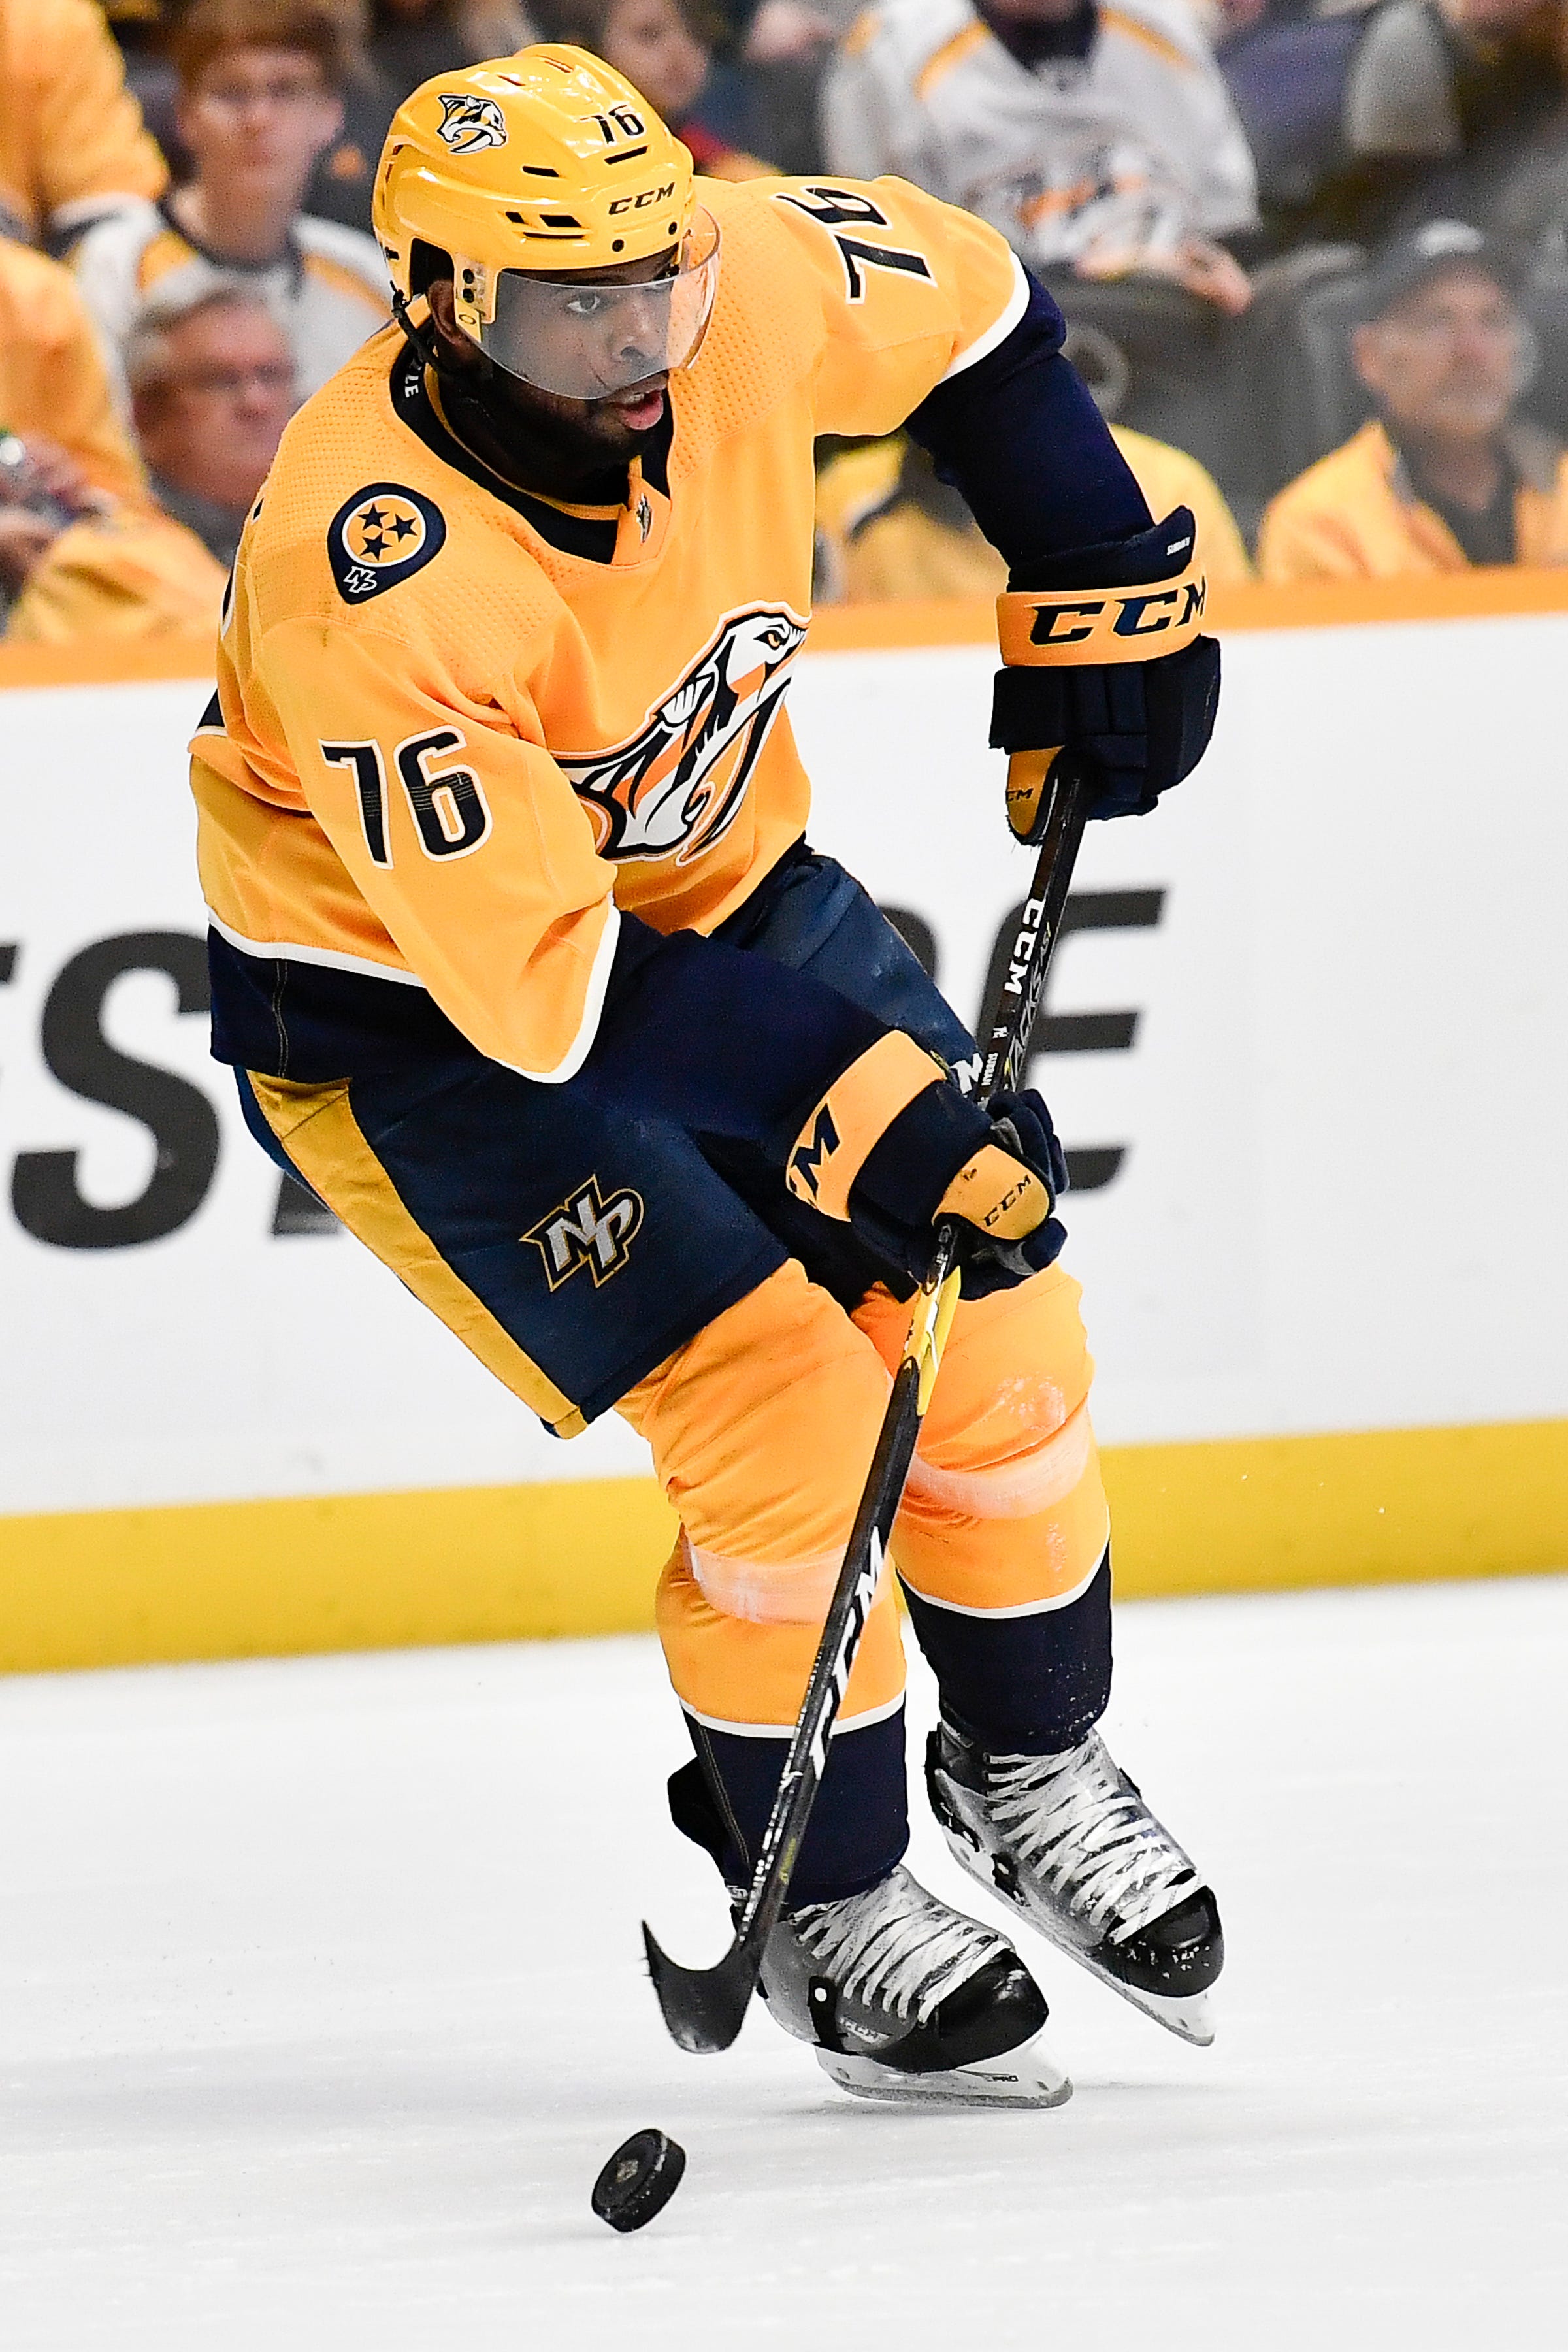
x,y
1341,1118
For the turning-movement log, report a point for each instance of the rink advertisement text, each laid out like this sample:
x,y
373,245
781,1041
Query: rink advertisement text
x,y
180,1119
1279,1002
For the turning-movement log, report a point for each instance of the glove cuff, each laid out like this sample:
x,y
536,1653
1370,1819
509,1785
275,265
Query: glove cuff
x,y
1130,600
1067,627
1158,553
842,1133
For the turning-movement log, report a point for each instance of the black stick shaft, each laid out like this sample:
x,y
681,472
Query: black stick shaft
x,y
1003,1058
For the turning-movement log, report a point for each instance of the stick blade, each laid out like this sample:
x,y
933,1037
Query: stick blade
x,y
703,2007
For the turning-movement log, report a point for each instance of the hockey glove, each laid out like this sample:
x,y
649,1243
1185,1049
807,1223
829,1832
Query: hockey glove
x,y
1104,660
1009,1246
890,1156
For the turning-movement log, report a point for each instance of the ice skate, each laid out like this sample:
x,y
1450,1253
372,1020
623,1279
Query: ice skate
x,y
907,2000
1068,1840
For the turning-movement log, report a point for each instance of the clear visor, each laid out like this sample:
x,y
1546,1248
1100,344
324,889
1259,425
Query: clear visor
x,y
587,342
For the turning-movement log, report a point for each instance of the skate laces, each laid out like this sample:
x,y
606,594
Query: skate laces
x,y
896,1946
1077,1820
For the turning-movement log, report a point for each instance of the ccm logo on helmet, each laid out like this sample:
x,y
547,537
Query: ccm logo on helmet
x,y
468,123
648,196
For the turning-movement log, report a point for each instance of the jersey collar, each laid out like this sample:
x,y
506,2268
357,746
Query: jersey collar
x,y
629,533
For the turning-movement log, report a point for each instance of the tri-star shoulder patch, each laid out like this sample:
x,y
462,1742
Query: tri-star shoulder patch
x,y
382,535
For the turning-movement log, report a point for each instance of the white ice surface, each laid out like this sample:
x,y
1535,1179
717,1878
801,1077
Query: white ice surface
x,y
321,2004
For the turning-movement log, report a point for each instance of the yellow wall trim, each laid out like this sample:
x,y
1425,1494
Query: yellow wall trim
x,y
1374,1506
506,1563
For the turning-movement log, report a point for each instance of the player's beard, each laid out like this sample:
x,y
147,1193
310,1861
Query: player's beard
x,y
573,450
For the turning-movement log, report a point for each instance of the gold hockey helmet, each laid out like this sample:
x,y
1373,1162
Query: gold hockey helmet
x,y
549,161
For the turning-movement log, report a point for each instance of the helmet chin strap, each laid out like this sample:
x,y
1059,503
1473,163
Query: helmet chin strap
x,y
426,345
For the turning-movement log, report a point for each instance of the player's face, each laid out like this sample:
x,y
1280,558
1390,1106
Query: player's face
x,y
1446,362
597,321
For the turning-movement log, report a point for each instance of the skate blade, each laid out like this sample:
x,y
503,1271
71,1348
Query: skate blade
x,y
1028,2077
1189,2018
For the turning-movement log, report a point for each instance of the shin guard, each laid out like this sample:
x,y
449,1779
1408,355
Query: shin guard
x,y
1002,1540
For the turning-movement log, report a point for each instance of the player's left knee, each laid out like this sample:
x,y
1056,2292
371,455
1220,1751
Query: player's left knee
x,y
1004,1508
1008,1433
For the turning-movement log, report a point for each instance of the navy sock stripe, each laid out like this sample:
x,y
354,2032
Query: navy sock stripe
x,y
1026,1686
859,1825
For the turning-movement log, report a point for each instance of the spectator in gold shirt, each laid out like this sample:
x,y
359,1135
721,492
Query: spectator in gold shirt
x,y
73,147
212,381
63,451
1447,475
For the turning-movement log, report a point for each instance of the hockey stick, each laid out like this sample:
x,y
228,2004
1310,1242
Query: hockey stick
x,y
705,2008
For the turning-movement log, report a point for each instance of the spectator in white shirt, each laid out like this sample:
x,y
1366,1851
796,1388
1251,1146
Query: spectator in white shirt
x,y
258,100
1099,139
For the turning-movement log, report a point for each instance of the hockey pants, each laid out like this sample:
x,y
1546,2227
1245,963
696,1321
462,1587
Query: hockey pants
x,y
750,1342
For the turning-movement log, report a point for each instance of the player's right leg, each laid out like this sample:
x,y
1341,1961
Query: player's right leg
x,y
762,1428
590,1259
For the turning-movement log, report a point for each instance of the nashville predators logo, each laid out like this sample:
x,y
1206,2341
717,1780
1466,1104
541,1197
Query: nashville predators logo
x,y
380,536
587,1230
676,787
469,123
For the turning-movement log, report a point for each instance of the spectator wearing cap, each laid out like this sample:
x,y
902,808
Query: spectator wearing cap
x,y
73,147
258,100
1446,476
1099,139
211,386
63,450
888,529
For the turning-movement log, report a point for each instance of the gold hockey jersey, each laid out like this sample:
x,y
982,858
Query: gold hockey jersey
x,y
133,572
72,143
458,727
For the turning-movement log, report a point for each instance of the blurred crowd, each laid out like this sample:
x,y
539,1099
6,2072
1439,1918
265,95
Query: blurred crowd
x,y
1312,254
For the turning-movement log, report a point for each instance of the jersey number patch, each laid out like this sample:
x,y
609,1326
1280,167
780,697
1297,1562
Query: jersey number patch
x,y
841,210
450,809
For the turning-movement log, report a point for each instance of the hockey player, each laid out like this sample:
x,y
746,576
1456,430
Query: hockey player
x,y
525,967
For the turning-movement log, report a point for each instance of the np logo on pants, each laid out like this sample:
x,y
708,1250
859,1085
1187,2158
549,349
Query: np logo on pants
x,y
587,1230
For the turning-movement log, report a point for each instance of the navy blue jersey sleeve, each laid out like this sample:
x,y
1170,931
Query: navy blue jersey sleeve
x,y
1018,435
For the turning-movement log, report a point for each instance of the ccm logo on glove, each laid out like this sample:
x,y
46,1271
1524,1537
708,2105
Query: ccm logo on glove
x,y
1028,630
994,1192
1105,660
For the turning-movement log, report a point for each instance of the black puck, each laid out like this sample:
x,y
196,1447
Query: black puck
x,y
640,2179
